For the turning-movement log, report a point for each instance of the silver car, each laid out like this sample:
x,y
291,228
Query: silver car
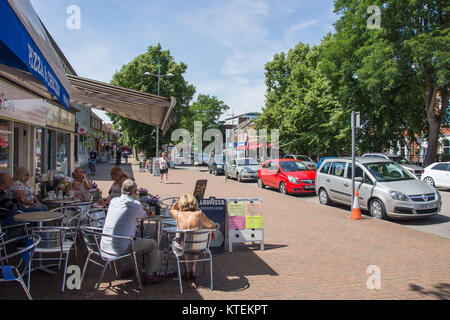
x,y
305,159
385,188
405,163
242,169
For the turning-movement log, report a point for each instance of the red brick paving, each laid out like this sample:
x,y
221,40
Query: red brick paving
x,y
312,252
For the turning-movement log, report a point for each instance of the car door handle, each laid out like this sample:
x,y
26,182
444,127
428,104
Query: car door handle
x,y
346,184
328,180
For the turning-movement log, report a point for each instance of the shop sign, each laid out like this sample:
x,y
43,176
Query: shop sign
x,y
59,118
26,110
82,131
216,210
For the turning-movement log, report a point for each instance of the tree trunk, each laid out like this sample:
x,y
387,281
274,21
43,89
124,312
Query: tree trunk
x,y
136,154
434,120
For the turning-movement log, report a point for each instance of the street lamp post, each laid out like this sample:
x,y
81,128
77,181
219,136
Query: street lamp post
x,y
159,76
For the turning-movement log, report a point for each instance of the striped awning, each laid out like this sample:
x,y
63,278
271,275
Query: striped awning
x,y
136,105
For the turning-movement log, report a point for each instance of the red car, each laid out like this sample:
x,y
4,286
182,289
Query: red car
x,y
288,176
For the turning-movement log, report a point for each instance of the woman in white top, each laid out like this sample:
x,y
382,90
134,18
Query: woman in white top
x,y
81,185
23,191
164,167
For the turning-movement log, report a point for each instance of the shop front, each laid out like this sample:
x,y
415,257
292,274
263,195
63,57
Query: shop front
x,y
22,119
60,140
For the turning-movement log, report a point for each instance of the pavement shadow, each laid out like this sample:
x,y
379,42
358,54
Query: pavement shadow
x,y
426,221
103,171
440,291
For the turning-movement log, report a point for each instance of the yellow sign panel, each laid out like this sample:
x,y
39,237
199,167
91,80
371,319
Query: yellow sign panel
x,y
254,222
236,209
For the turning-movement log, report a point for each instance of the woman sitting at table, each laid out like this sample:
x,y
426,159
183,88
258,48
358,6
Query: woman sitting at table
x,y
81,185
118,176
23,191
189,217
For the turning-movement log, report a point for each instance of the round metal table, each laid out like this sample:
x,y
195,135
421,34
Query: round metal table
x,y
40,217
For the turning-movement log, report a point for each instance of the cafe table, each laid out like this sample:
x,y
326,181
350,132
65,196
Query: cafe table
x,y
160,220
40,217
62,202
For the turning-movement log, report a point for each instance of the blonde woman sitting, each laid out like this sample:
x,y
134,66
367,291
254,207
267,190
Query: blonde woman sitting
x,y
189,217
81,185
25,192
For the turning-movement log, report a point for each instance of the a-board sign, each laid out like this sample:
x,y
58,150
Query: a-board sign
x,y
156,169
200,188
216,210
245,222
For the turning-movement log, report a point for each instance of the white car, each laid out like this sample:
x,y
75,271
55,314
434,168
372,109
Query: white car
x,y
437,175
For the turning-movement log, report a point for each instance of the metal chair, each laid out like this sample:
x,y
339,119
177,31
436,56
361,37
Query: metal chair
x,y
13,273
96,217
92,238
55,240
10,229
167,204
194,242
71,219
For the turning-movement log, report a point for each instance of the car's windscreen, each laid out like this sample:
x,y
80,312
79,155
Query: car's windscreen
x,y
247,162
400,160
291,166
219,159
303,158
388,171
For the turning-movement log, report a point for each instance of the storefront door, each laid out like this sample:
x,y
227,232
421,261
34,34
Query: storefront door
x,y
21,145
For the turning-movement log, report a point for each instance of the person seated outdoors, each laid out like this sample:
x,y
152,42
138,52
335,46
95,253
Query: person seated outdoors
x,y
189,217
23,191
81,185
121,220
9,203
118,176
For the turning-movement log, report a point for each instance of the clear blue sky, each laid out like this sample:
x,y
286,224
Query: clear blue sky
x,y
224,43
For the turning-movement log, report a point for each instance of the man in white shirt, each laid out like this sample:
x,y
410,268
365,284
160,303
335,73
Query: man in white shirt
x,y
121,220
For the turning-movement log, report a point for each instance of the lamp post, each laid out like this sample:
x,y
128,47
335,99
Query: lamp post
x,y
159,76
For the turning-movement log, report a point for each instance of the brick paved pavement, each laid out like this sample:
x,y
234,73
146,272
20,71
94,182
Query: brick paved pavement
x,y
312,252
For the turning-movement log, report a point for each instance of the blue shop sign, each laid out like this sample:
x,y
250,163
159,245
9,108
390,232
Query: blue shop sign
x,y
18,50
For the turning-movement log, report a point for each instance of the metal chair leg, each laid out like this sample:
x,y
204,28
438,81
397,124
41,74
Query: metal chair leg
x,y
84,268
211,271
137,271
25,288
179,275
97,287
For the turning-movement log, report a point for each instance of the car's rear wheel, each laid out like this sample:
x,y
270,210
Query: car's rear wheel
x,y
283,188
323,197
215,172
261,183
377,209
429,180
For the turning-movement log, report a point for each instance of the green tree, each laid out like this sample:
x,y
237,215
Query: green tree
x,y
402,68
207,110
140,135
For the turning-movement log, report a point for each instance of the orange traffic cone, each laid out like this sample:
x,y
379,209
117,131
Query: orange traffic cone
x,y
356,210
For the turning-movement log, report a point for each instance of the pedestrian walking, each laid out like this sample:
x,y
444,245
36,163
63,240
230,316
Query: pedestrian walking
x,y
164,167
118,157
125,155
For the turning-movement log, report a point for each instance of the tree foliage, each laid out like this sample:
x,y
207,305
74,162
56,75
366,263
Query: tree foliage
x,y
140,135
393,76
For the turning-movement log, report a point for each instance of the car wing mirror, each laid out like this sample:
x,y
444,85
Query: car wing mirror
x,y
359,179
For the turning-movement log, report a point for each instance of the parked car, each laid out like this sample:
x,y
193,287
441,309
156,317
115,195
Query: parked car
x,y
201,159
305,159
288,176
217,167
405,163
321,160
385,188
242,169
437,175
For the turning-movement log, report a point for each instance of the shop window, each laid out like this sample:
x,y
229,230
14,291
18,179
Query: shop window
x,y
38,142
62,152
5,146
